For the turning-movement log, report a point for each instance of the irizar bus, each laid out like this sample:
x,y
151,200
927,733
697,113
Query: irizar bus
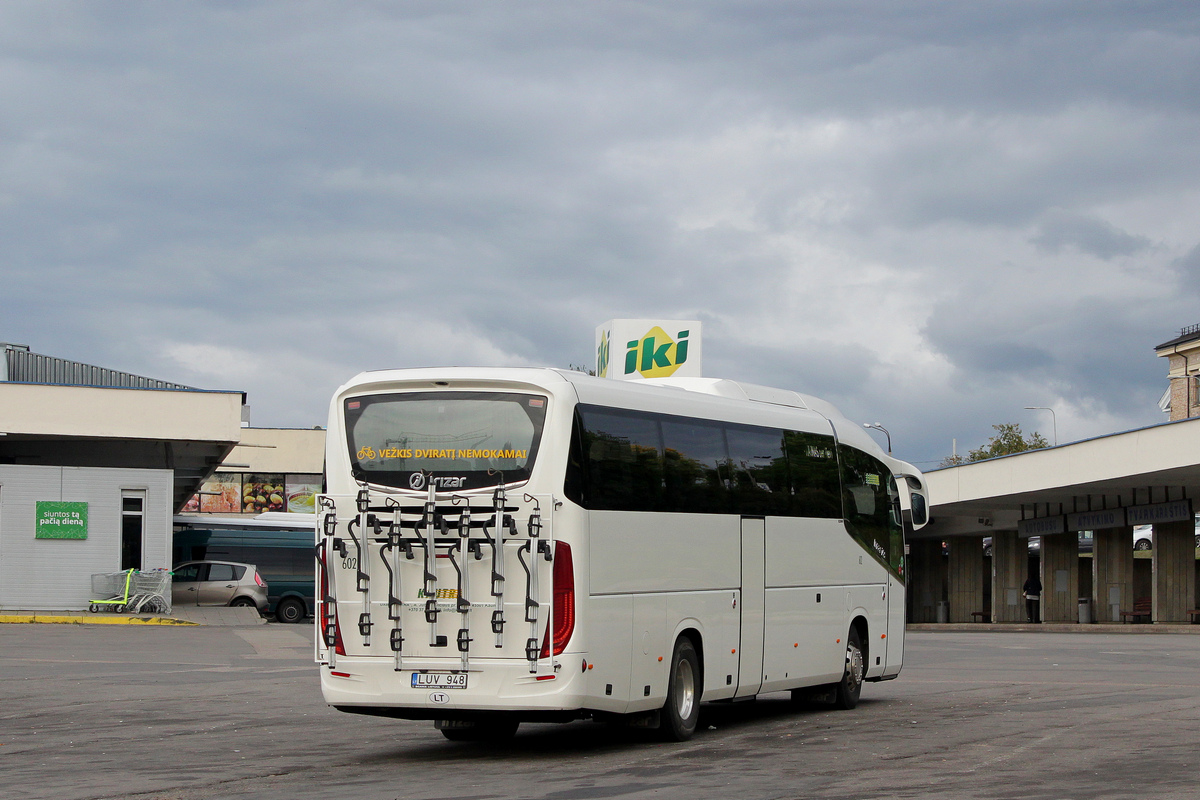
x,y
508,545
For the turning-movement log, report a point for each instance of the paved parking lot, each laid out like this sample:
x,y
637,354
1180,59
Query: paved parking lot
x,y
235,712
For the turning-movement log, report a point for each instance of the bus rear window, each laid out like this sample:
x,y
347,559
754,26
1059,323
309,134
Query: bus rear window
x,y
456,440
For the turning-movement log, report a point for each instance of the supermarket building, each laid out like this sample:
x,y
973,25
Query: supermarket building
x,y
93,463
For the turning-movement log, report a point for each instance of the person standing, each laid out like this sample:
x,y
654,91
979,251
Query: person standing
x,y
1033,596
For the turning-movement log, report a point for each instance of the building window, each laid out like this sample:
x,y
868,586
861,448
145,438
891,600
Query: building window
x,y
133,528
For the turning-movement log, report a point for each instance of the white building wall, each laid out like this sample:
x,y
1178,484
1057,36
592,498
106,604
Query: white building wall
x,y
55,574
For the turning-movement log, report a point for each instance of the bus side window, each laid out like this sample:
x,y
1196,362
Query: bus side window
x,y
895,529
695,466
624,461
760,473
867,501
812,461
574,485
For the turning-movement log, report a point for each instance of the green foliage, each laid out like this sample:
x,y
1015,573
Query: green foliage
x,y
1008,439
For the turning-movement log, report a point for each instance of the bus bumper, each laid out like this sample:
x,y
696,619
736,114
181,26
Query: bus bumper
x,y
373,686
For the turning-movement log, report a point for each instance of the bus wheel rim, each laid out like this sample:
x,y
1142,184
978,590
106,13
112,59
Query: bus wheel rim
x,y
854,666
685,680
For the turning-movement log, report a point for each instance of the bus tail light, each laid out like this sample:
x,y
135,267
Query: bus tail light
x,y
564,601
328,616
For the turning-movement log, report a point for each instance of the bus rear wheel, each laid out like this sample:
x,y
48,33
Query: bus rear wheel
x,y
850,686
681,712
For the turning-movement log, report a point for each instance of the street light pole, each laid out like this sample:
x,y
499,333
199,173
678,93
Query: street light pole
x,y
879,427
1053,419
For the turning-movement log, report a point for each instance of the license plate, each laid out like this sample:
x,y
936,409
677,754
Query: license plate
x,y
439,680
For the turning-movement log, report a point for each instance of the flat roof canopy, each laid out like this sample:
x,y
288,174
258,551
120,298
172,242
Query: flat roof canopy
x,y
294,450
1138,467
188,431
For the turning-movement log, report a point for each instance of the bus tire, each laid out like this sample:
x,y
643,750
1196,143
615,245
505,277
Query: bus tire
x,y
290,609
850,686
681,712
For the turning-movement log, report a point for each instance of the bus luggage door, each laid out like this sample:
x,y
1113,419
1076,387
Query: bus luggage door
x,y
754,589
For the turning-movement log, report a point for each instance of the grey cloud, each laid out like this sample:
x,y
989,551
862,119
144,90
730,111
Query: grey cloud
x,y
827,369
1187,267
988,343
1087,235
321,188
1097,353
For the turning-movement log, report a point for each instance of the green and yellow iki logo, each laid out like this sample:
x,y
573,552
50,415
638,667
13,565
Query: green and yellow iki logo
x,y
602,355
656,354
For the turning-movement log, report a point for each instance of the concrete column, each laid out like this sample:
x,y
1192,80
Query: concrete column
x,y
926,579
1009,566
1174,571
1060,577
965,577
1112,573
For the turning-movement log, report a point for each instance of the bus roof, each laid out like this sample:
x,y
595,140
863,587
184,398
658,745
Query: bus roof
x,y
772,405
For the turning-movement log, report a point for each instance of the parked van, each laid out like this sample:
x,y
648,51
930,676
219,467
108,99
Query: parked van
x,y
281,545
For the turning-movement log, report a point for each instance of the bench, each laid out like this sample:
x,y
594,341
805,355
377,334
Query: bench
x,y
1141,608
983,616
1195,612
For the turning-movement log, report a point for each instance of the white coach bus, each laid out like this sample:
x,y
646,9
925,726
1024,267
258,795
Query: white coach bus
x,y
508,545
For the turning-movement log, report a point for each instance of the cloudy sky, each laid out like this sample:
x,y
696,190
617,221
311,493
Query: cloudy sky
x,y
932,214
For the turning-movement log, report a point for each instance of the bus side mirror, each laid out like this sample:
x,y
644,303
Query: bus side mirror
x,y
920,512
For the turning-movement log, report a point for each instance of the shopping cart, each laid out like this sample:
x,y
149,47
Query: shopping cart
x,y
115,587
150,593
133,591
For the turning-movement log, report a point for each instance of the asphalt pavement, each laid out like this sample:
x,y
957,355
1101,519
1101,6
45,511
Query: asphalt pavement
x,y
192,712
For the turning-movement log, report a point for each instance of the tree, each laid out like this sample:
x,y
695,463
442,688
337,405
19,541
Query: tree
x,y
1008,439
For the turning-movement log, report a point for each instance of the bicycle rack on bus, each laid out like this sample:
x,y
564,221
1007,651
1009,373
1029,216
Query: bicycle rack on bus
x,y
328,618
362,561
501,521
532,650
394,604
438,532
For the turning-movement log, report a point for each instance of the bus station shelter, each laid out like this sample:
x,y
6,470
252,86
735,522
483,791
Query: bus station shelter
x,y
995,522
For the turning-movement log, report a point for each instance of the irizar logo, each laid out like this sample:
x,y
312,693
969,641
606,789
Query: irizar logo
x,y
602,355
656,354
418,481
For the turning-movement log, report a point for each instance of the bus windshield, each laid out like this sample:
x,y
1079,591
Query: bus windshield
x,y
454,440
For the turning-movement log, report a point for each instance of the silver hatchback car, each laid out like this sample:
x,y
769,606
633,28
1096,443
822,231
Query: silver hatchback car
x,y
218,583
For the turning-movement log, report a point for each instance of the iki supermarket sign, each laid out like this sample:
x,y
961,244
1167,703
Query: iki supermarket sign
x,y
632,349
